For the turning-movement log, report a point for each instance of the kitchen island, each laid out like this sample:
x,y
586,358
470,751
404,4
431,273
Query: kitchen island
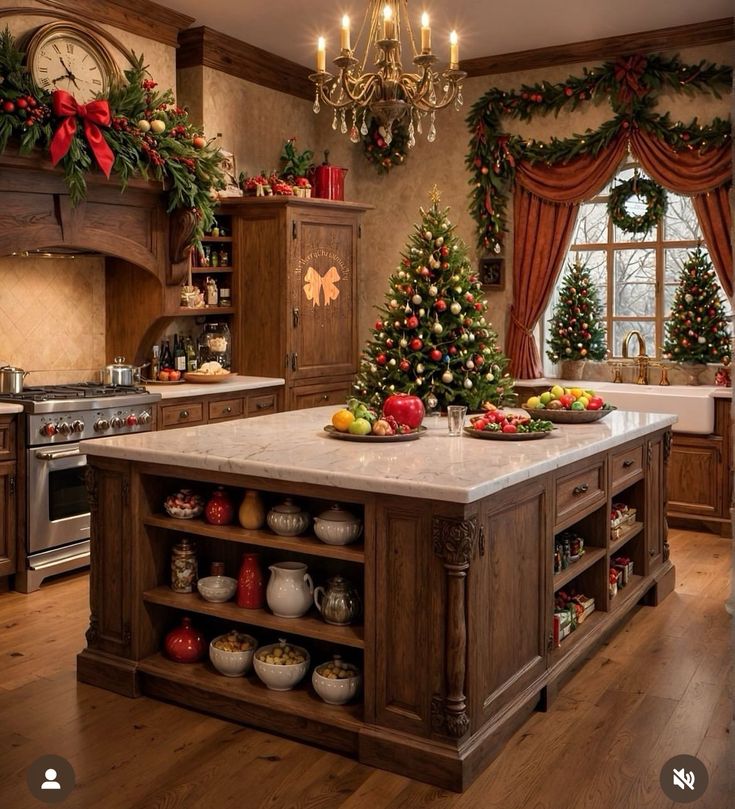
x,y
456,569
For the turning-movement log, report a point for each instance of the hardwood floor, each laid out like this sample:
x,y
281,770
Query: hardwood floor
x,y
660,686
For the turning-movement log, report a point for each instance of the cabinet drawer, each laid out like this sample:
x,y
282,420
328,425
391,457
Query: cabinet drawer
x,y
626,466
579,493
7,438
259,405
225,409
177,415
313,396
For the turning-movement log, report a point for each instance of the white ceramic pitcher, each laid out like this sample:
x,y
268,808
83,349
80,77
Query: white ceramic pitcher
x,y
290,589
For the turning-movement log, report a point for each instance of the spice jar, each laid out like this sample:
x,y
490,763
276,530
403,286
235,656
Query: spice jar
x,y
184,566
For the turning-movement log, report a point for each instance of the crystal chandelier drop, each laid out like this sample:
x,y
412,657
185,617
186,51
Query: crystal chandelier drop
x,y
388,94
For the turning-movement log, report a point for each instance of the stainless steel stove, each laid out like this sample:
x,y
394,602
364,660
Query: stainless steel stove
x,y
57,418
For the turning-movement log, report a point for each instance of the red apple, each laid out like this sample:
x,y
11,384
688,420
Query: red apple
x,y
595,403
405,409
566,400
198,142
174,375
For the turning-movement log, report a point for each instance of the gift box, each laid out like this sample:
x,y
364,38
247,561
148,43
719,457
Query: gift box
x,y
613,582
587,605
562,626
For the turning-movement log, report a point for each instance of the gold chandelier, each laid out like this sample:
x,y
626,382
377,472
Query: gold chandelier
x,y
388,94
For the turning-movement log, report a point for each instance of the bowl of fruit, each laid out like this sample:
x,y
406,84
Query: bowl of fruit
x,y
496,423
281,666
184,505
567,406
336,682
232,654
399,419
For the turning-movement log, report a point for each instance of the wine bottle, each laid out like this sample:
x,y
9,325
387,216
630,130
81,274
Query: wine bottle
x,y
191,355
179,354
167,360
155,362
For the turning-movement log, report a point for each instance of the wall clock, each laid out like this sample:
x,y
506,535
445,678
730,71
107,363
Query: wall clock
x,y
66,56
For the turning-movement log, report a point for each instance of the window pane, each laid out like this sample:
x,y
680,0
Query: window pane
x,y
674,258
591,224
669,292
645,327
680,220
635,282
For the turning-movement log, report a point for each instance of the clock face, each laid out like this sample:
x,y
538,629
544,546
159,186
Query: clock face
x,y
64,59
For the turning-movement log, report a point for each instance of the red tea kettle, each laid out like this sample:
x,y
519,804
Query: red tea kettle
x,y
329,180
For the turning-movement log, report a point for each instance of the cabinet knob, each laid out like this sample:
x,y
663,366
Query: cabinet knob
x,y
228,410
627,463
325,397
263,405
581,489
184,414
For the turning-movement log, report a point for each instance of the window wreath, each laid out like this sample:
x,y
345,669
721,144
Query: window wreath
x,y
643,188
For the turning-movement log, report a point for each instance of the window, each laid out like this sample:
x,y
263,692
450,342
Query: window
x,y
636,274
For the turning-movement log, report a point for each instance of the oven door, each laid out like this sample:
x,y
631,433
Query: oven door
x,y
58,505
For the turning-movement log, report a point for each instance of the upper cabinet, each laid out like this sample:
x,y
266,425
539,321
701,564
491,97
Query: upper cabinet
x,y
297,313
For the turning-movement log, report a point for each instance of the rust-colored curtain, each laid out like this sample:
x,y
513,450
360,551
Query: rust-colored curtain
x,y
545,207
706,178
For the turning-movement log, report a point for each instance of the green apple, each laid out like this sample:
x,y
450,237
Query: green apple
x,y
546,397
359,427
574,406
557,391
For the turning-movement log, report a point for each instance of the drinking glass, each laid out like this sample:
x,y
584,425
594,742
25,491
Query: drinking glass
x,y
455,415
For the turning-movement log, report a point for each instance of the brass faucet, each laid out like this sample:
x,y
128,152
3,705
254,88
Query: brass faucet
x,y
642,360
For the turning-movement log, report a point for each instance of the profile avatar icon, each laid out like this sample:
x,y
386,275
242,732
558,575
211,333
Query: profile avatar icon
x,y
50,782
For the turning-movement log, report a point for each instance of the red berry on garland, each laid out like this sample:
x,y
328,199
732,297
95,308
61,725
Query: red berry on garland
x,y
435,354
380,359
685,136
404,365
484,170
8,106
416,344
22,103
478,162
568,91
440,305
412,322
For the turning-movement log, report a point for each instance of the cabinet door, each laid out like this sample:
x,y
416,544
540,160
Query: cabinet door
x,y
7,517
696,487
322,320
509,600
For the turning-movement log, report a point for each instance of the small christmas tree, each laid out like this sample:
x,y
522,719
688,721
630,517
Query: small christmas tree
x,y
576,331
698,330
432,338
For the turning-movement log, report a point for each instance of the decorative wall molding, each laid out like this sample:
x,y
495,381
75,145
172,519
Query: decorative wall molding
x,y
204,46
592,50
141,17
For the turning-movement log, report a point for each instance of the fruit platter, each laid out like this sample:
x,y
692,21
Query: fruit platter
x,y
502,425
568,406
399,419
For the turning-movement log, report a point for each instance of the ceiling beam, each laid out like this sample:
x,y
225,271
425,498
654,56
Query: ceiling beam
x,y
592,50
204,46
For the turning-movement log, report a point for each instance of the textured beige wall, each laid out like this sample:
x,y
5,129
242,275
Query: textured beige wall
x,y
52,317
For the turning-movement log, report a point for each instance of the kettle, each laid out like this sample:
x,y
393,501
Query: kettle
x,y
329,180
11,379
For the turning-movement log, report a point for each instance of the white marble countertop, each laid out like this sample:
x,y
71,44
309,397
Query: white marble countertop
x,y
293,447
230,385
7,408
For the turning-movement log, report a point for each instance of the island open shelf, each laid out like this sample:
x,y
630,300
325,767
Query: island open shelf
x,y
455,569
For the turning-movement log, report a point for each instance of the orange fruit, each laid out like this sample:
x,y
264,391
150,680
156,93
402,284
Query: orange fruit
x,y
342,419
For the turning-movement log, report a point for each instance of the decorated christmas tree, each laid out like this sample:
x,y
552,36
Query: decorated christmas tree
x,y
698,330
432,338
576,331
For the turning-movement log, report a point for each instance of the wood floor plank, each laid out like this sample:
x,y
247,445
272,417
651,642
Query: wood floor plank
x,y
661,685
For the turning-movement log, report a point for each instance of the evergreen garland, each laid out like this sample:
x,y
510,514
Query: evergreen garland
x,y
178,156
631,86
432,338
698,330
576,330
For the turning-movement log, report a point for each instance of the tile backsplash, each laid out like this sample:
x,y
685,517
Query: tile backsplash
x,y
52,317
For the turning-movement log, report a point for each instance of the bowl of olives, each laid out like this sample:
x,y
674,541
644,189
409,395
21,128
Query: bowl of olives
x,y
232,654
281,666
336,682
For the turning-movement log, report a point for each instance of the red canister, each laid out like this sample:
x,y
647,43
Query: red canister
x,y
184,644
329,180
219,509
250,583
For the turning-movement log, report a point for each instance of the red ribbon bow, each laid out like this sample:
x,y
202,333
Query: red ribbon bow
x,y
627,74
93,115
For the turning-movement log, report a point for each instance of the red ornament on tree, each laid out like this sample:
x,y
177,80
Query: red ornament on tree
x,y
404,365
435,354
416,344
380,359
412,322
440,305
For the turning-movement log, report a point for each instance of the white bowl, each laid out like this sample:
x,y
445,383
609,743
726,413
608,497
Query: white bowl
x,y
336,692
232,664
217,588
281,678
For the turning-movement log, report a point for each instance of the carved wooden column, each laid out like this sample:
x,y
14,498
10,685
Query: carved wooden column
x,y
668,437
454,540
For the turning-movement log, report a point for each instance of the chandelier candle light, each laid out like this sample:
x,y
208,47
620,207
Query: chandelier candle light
x,y
387,94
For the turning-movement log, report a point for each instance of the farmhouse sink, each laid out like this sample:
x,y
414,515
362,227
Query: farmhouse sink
x,y
693,406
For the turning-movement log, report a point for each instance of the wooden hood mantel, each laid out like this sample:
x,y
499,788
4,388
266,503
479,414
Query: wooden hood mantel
x,y
145,249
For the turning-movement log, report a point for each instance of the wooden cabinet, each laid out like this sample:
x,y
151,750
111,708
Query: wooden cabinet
x,y
196,410
297,288
700,474
8,472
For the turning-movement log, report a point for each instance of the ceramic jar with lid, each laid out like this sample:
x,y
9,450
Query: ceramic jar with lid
x,y
337,526
339,603
288,519
184,566
219,509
